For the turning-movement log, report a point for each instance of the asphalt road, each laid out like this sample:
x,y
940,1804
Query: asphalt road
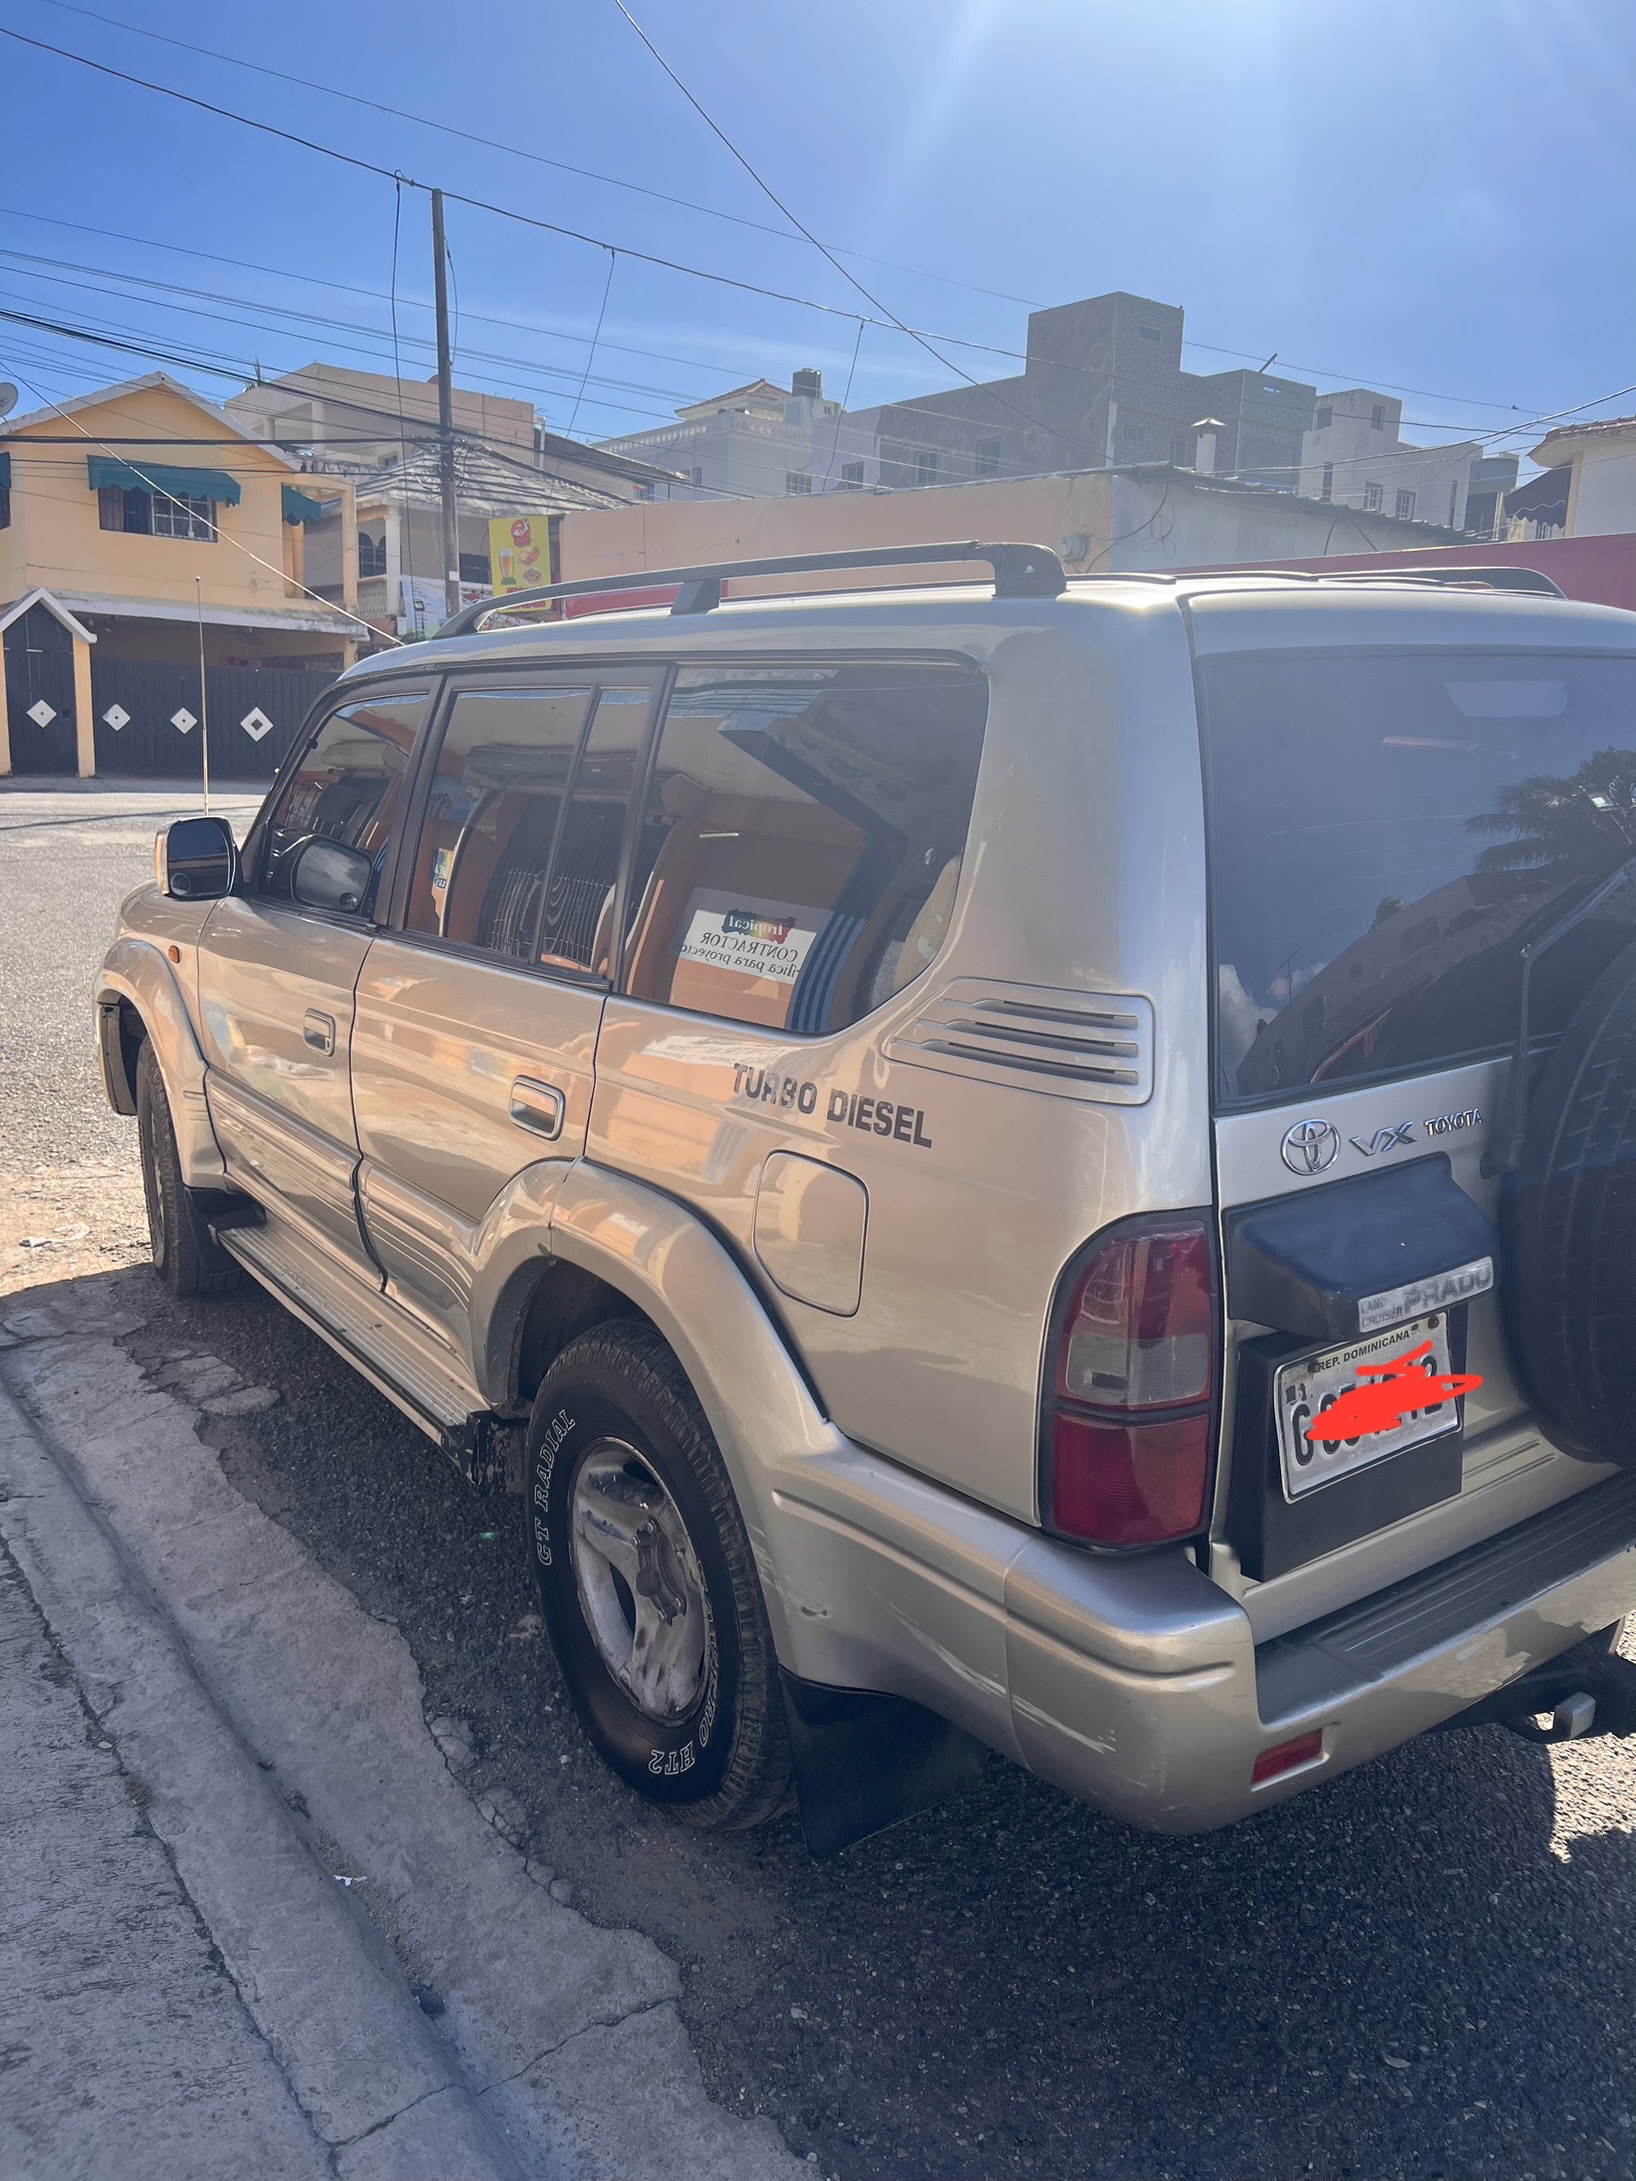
x,y
1426,1968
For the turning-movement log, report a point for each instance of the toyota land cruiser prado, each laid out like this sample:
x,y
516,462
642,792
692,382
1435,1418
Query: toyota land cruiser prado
x,y
891,1118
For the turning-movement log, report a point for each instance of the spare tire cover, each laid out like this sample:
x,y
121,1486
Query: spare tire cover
x,y
1568,1222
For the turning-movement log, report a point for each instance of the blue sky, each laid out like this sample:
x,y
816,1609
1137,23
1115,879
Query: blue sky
x,y
1438,196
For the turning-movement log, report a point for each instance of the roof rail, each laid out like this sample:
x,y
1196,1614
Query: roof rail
x,y
1496,578
1020,571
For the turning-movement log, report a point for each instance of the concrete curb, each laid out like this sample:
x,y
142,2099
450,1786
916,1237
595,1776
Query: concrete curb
x,y
371,2073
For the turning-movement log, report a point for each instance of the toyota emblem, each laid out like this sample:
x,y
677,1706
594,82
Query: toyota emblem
x,y
1309,1147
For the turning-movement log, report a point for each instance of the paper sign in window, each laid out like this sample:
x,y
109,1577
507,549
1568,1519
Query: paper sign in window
x,y
763,941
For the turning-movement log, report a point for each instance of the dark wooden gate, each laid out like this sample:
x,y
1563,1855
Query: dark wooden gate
x,y
148,717
40,693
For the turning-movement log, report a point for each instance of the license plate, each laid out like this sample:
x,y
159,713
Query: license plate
x,y
1303,1391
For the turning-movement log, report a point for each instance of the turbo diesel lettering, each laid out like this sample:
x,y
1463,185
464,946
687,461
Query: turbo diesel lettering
x,y
874,1116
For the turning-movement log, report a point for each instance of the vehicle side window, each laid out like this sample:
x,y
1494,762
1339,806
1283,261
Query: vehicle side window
x,y
576,930
348,789
492,815
802,838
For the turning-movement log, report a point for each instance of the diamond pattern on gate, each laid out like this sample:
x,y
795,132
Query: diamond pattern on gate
x,y
117,717
256,723
41,713
183,720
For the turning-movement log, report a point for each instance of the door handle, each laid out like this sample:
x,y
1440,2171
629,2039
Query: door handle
x,y
319,1031
537,1106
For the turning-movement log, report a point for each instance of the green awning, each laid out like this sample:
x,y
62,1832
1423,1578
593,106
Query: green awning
x,y
159,477
5,471
301,507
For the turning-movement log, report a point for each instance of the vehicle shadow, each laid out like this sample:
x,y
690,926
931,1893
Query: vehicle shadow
x,y
1423,1968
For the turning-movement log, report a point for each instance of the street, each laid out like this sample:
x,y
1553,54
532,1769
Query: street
x,y
1426,1968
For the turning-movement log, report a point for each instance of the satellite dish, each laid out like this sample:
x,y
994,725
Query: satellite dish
x,y
8,397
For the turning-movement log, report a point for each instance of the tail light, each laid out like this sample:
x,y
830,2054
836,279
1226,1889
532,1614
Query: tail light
x,y
1130,1395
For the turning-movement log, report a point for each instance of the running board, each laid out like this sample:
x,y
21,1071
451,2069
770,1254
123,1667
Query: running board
x,y
372,1332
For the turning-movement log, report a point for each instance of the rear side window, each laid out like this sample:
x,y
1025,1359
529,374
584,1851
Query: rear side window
x,y
802,839
348,788
1386,832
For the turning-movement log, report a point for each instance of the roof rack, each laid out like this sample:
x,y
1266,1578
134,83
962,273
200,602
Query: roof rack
x,y
1020,571
1495,578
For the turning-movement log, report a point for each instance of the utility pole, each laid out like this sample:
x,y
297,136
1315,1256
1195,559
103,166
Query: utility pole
x,y
445,413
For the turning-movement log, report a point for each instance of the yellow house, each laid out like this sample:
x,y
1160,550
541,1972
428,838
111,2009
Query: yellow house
x,y
142,521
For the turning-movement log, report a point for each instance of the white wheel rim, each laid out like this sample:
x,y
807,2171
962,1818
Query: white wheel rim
x,y
639,1582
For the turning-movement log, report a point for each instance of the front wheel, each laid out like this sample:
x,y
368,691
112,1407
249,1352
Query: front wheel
x,y
184,1256
648,1585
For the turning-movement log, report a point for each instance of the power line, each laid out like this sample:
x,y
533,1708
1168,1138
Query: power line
x,y
918,272
477,204
518,151
691,363
823,249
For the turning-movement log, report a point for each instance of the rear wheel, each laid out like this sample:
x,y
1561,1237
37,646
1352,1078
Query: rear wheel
x,y
184,1256
648,1585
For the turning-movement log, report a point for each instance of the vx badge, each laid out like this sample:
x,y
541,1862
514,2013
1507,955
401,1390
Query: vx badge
x,y
1384,1139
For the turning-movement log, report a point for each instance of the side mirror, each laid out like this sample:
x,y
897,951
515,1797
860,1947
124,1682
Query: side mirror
x,y
330,875
196,859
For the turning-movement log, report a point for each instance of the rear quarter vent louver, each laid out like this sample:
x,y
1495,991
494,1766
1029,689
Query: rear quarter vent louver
x,y
1089,1045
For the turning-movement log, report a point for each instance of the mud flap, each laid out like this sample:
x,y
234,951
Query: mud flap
x,y
863,1761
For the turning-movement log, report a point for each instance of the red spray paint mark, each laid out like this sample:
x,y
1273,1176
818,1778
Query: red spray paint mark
x,y
1400,1388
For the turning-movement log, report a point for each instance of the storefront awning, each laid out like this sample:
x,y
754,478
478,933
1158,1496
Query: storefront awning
x,y
301,507
151,477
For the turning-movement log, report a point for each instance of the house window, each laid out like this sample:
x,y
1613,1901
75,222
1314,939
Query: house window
x,y
5,507
177,518
695,475
1405,507
852,477
797,483
988,458
925,466
1326,491
1325,418
155,515
1371,499
1148,333
1377,417
371,555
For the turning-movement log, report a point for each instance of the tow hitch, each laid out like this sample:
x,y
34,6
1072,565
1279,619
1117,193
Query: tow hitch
x,y
1588,1690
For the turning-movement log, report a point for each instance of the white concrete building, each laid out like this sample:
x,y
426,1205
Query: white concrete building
x,y
753,442
1355,457
1601,460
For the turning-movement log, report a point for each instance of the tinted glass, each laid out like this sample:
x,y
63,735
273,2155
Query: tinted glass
x,y
576,929
1386,831
491,816
802,839
348,787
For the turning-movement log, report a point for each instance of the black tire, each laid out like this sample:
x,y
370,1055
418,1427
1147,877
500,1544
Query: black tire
x,y
720,1756
184,1256
1568,1220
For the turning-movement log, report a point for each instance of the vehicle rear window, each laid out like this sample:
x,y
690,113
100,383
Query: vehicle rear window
x,y
1386,831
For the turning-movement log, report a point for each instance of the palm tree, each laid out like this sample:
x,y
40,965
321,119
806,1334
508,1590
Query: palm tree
x,y
1564,828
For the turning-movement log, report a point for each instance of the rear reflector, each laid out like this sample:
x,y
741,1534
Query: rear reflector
x,y
1128,1483
1287,1756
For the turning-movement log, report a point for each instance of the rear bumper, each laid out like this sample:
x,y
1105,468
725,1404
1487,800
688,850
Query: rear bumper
x,y
1136,1684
